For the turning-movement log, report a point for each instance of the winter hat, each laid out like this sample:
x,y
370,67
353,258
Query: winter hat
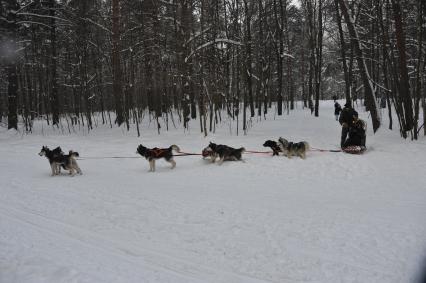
x,y
347,104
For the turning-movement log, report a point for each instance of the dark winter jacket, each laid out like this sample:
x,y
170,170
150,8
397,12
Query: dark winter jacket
x,y
337,108
357,134
347,116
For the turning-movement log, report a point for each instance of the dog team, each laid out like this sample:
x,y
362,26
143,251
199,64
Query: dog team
x,y
57,159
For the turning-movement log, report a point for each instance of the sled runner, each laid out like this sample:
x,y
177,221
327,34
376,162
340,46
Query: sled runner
x,y
354,149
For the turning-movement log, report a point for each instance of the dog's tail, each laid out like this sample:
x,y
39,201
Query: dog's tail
x,y
73,154
307,146
175,148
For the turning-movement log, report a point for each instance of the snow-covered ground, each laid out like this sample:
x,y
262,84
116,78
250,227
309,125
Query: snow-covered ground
x,y
333,217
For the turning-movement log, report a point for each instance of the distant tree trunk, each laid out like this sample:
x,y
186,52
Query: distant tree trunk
x,y
289,61
12,94
312,32
424,94
368,88
249,58
8,33
116,67
53,58
279,52
404,85
28,95
419,68
261,64
318,62
343,54
302,70
188,104
385,62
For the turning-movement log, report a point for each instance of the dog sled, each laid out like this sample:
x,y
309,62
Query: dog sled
x,y
354,149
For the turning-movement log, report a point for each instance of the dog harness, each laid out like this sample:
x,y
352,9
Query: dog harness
x,y
157,151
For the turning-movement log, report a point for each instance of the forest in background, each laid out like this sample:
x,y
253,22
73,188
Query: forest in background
x,y
177,61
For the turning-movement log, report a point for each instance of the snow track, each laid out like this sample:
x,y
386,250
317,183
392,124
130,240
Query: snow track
x,y
333,217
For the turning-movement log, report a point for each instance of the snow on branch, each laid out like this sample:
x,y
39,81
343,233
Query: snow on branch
x,y
217,40
287,55
197,35
42,16
167,2
32,23
98,25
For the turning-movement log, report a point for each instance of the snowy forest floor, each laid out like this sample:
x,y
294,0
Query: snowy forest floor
x,y
333,217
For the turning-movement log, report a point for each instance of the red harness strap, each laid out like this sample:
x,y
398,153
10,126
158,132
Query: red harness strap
x,y
157,151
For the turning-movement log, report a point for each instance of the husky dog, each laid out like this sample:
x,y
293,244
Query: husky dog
x,y
274,146
69,162
58,159
54,157
224,152
290,149
152,154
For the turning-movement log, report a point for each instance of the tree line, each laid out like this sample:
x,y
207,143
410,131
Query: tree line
x,y
199,62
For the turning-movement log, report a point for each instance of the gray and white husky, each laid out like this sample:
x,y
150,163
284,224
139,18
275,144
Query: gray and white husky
x,y
290,149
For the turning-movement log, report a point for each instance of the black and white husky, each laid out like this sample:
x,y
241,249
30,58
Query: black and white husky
x,y
54,158
224,152
58,159
290,149
152,154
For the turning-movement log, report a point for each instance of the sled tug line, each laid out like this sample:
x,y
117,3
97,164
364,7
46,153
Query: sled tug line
x,y
58,160
352,149
182,153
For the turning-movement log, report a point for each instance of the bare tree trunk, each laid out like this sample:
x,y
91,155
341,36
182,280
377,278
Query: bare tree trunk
x,y
368,88
302,70
12,94
419,68
116,65
318,63
385,61
53,58
248,70
312,32
8,25
343,54
279,52
404,85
